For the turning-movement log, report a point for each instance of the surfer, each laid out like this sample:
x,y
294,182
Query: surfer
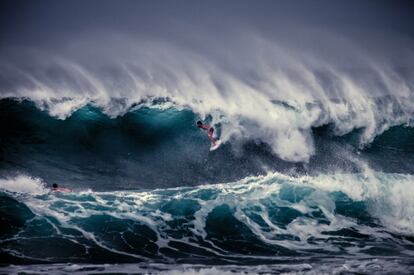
x,y
56,188
210,131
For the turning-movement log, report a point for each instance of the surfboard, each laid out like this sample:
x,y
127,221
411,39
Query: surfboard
x,y
216,145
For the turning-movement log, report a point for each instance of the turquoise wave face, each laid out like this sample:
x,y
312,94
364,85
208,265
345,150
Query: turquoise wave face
x,y
145,148
259,220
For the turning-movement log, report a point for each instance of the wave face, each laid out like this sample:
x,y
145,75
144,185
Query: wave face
x,y
156,144
265,220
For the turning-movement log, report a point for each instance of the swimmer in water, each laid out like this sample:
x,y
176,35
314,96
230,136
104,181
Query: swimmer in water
x,y
56,188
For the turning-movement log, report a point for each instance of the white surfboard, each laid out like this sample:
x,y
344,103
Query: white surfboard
x,y
216,145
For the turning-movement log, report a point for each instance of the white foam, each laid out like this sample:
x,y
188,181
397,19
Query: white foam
x,y
24,184
62,108
199,271
395,206
388,196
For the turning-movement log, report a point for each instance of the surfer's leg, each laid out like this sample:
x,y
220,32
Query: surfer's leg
x,y
210,135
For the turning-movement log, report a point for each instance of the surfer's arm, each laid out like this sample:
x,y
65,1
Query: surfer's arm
x,y
205,127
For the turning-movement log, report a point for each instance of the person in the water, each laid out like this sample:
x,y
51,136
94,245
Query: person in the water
x,y
209,129
56,188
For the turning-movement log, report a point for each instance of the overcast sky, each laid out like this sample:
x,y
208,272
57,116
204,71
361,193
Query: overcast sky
x,y
41,22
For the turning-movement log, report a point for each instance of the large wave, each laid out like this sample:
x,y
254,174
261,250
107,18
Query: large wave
x,y
156,144
275,94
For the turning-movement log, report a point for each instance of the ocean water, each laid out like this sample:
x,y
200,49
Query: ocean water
x,y
149,197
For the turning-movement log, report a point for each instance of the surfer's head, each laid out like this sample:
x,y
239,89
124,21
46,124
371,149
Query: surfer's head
x,y
199,123
54,185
